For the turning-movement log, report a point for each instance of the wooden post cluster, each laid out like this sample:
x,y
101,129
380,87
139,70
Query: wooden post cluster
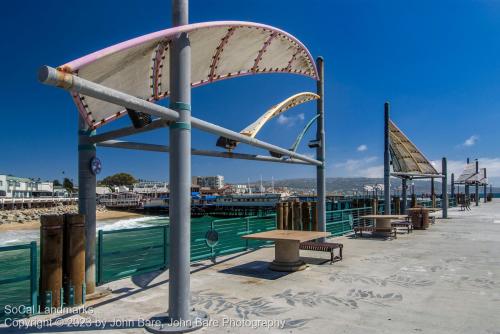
x,y
74,258
62,260
302,216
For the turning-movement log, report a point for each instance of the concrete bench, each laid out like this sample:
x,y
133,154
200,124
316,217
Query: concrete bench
x,y
324,247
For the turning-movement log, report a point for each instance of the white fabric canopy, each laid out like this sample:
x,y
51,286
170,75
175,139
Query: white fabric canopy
x,y
406,157
220,50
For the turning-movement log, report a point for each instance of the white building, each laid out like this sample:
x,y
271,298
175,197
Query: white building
x,y
20,187
150,187
214,182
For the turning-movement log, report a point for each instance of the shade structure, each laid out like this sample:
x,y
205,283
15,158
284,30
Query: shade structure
x,y
254,128
469,175
406,157
220,50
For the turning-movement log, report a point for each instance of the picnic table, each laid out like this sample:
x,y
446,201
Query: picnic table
x,y
383,222
286,247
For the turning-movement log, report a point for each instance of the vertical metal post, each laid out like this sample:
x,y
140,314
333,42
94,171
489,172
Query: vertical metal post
x,y
433,193
87,199
320,151
485,188
180,167
387,167
100,264
404,188
444,190
466,186
477,183
452,185
33,278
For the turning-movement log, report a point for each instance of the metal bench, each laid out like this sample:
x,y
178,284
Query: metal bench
x,y
404,224
324,247
392,231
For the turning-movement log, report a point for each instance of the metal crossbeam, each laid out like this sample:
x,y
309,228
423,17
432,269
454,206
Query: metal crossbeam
x,y
50,76
127,131
165,149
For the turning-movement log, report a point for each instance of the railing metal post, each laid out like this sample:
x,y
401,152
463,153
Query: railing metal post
x,y
320,150
100,245
165,246
34,277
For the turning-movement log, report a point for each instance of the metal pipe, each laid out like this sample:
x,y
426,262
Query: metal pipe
x,y
477,183
87,200
179,294
67,81
485,188
404,188
452,185
320,150
444,189
387,162
166,149
127,131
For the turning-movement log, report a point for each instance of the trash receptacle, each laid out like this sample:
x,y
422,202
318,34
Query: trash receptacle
x,y
419,218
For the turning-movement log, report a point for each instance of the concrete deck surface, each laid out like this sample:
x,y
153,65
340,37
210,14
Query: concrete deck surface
x,y
442,280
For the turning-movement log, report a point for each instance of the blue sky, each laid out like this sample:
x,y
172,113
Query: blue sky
x,y
437,62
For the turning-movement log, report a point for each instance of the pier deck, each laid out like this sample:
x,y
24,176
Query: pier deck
x,y
442,280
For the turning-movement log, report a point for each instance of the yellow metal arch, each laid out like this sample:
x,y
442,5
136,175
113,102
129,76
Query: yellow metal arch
x,y
254,128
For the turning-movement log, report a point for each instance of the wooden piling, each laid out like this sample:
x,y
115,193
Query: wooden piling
x,y
397,205
51,260
279,215
285,216
74,257
290,215
314,216
306,216
297,216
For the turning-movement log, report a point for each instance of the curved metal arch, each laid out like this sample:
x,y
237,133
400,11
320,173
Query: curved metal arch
x,y
252,129
298,139
220,50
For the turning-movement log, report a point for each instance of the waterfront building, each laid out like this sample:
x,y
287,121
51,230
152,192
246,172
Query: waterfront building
x,y
214,182
20,187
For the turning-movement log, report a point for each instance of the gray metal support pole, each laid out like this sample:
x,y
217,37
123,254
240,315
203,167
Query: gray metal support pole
x,y
87,200
466,186
404,188
387,167
477,183
485,190
444,190
320,151
180,168
452,185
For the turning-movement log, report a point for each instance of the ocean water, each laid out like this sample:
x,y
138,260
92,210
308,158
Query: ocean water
x,y
15,237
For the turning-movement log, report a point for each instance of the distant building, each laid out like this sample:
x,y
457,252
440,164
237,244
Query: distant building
x,y
20,187
214,182
150,187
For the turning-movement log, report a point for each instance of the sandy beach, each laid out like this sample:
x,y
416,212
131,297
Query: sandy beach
x,y
101,215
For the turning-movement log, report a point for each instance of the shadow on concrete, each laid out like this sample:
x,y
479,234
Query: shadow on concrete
x,y
255,269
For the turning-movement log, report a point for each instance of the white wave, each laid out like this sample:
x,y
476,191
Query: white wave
x,y
130,223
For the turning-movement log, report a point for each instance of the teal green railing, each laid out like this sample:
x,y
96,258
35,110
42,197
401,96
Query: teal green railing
x,y
128,252
341,222
19,278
